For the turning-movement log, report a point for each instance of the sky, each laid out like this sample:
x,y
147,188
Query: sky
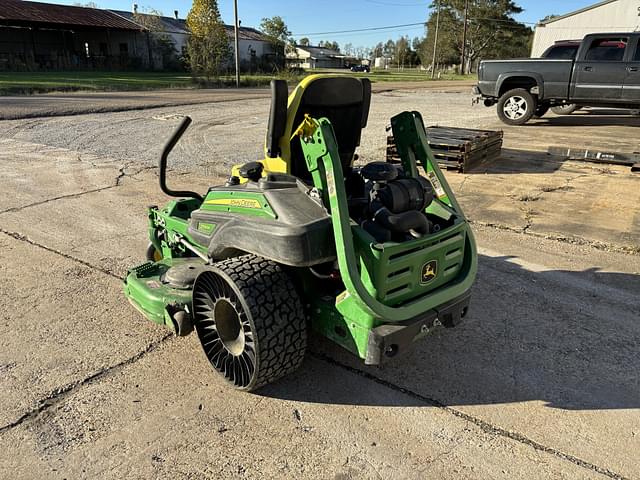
x,y
313,19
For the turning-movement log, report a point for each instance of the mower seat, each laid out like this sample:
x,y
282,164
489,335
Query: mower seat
x,y
344,100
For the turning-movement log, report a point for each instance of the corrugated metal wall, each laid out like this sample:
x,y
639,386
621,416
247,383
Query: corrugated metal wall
x,y
618,16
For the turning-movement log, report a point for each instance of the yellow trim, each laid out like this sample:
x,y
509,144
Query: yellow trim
x,y
235,202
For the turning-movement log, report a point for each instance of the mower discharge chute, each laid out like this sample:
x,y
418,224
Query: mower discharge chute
x,y
372,257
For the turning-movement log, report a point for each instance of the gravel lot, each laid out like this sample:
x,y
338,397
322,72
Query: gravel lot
x,y
542,381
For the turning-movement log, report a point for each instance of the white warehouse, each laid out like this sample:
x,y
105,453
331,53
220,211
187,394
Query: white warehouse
x,y
607,16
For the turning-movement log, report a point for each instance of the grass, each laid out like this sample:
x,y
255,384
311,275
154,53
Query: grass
x,y
19,83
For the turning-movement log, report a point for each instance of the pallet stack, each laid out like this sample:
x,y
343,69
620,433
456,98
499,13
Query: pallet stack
x,y
459,149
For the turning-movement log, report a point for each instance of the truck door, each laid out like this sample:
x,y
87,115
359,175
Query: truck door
x,y
631,88
600,72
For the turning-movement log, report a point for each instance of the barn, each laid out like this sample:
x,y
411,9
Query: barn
x,y
41,36
608,16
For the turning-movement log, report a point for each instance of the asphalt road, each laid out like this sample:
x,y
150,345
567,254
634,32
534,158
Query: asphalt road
x,y
62,104
541,381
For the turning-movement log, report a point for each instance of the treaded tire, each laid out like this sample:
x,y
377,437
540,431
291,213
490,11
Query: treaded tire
x,y
271,337
527,106
565,109
541,110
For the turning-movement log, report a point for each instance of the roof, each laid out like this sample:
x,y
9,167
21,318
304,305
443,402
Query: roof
x,y
179,25
19,12
585,9
319,52
169,24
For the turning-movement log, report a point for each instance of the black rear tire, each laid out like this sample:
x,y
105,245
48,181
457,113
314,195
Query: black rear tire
x,y
516,107
541,111
565,109
250,321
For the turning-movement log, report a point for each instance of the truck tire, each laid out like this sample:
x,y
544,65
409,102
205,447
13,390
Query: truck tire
x,y
516,107
250,321
541,110
565,109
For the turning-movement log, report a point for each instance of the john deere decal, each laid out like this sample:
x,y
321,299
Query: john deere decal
x,y
429,271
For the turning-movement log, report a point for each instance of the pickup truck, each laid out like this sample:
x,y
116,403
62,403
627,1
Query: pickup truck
x,y
603,70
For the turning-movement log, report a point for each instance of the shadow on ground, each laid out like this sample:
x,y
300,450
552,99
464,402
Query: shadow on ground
x,y
514,161
588,118
568,339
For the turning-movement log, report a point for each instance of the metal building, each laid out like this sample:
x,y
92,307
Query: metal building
x,y
607,16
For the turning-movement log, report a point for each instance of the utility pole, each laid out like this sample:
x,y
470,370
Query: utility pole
x,y
435,42
464,38
235,29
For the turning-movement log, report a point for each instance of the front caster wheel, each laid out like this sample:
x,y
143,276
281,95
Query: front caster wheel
x,y
152,254
250,321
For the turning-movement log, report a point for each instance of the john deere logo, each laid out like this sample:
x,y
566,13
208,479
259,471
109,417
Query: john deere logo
x,y
429,271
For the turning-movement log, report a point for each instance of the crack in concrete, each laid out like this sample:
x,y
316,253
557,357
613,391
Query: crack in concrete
x,y
607,247
482,424
122,173
53,199
57,396
528,218
26,239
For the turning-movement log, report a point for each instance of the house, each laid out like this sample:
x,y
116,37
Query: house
x,y
305,56
608,16
43,36
255,49
37,35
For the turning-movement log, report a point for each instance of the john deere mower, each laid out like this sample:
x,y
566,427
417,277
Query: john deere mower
x,y
373,257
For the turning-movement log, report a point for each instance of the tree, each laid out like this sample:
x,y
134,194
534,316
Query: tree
x,y
492,31
548,17
378,50
208,45
276,30
348,49
448,52
389,49
279,36
329,45
304,41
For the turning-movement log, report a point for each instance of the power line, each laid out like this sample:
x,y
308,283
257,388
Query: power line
x,y
416,24
356,30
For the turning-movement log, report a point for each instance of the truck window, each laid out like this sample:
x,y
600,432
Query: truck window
x,y
561,52
636,58
607,49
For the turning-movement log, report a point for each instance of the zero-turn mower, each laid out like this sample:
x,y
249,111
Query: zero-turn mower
x,y
373,257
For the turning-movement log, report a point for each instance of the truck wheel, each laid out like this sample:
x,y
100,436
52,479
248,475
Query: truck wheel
x,y
565,109
250,321
516,107
541,110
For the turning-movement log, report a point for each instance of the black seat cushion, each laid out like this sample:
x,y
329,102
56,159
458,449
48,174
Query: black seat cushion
x,y
345,102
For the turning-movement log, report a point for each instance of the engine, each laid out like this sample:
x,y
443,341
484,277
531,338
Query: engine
x,y
393,205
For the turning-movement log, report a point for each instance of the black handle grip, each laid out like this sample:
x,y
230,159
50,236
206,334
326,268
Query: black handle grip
x,y
171,143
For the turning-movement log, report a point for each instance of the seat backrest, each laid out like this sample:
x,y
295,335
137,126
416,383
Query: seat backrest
x,y
344,100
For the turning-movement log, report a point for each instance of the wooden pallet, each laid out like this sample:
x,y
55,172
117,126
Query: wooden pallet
x,y
459,149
